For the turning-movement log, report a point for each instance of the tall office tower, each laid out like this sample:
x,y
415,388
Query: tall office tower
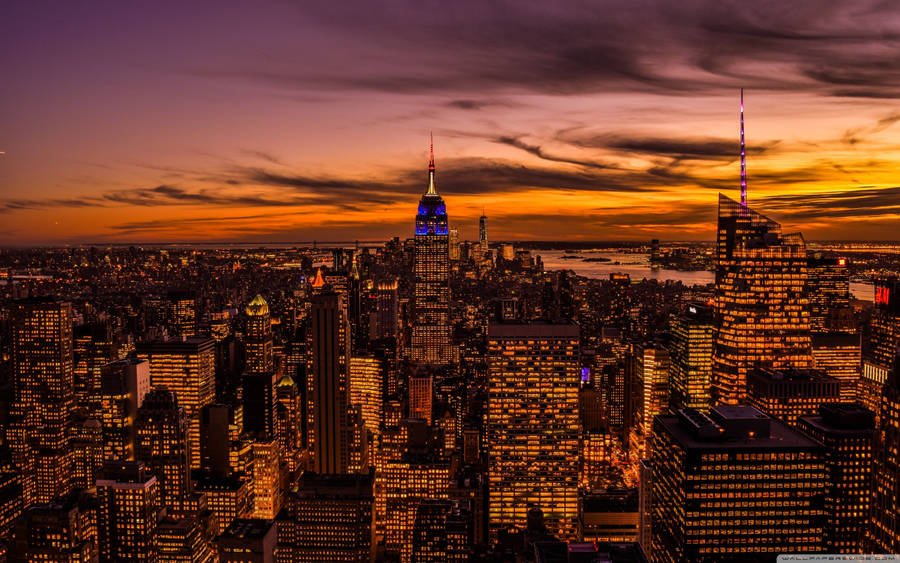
x,y
648,396
183,539
328,518
386,307
453,245
828,287
266,479
788,394
161,444
690,367
128,498
87,452
430,341
258,337
38,434
532,425
884,340
60,531
183,313
408,481
258,380
430,533
327,380
220,437
187,368
247,540
227,497
258,399
11,498
367,390
420,396
838,354
883,535
123,386
92,348
847,430
288,427
734,485
761,309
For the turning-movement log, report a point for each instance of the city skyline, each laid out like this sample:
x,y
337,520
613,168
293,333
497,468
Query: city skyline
x,y
310,123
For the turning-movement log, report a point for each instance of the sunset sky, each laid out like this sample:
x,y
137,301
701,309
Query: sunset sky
x,y
294,121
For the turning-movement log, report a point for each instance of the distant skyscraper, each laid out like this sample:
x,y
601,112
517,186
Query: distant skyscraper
x,y
327,381
734,485
266,479
762,312
420,396
185,366
258,380
42,364
482,230
532,425
691,357
258,337
847,430
647,394
386,308
183,312
366,389
838,355
161,444
430,343
828,287
128,511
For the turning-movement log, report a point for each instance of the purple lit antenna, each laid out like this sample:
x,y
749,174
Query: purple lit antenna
x,y
743,157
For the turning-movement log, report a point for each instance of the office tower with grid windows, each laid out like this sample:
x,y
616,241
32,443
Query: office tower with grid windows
x,y
883,534
258,379
847,431
327,380
761,308
882,345
186,367
367,390
160,431
532,425
123,386
690,357
182,313
788,394
128,512
43,383
430,340
733,485
828,287
328,518
838,354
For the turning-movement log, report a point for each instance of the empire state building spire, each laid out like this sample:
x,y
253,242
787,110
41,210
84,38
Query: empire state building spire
x,y
431,190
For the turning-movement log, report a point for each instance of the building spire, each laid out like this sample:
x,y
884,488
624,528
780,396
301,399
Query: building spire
x,y
431,190
743,157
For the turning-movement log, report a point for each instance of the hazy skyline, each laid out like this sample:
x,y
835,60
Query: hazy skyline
x,y
279,121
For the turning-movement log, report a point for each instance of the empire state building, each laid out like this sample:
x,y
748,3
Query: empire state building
x,y
430,342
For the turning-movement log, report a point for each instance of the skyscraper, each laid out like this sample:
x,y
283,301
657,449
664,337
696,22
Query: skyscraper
x,y
847,431
161,444
185,366
366,389
690,365
884,340
788,394
828,286
762,313
124,383
128,513
734,485
42,364
532,425
327,380
183,312
883,535
420,396
761,306
430,342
